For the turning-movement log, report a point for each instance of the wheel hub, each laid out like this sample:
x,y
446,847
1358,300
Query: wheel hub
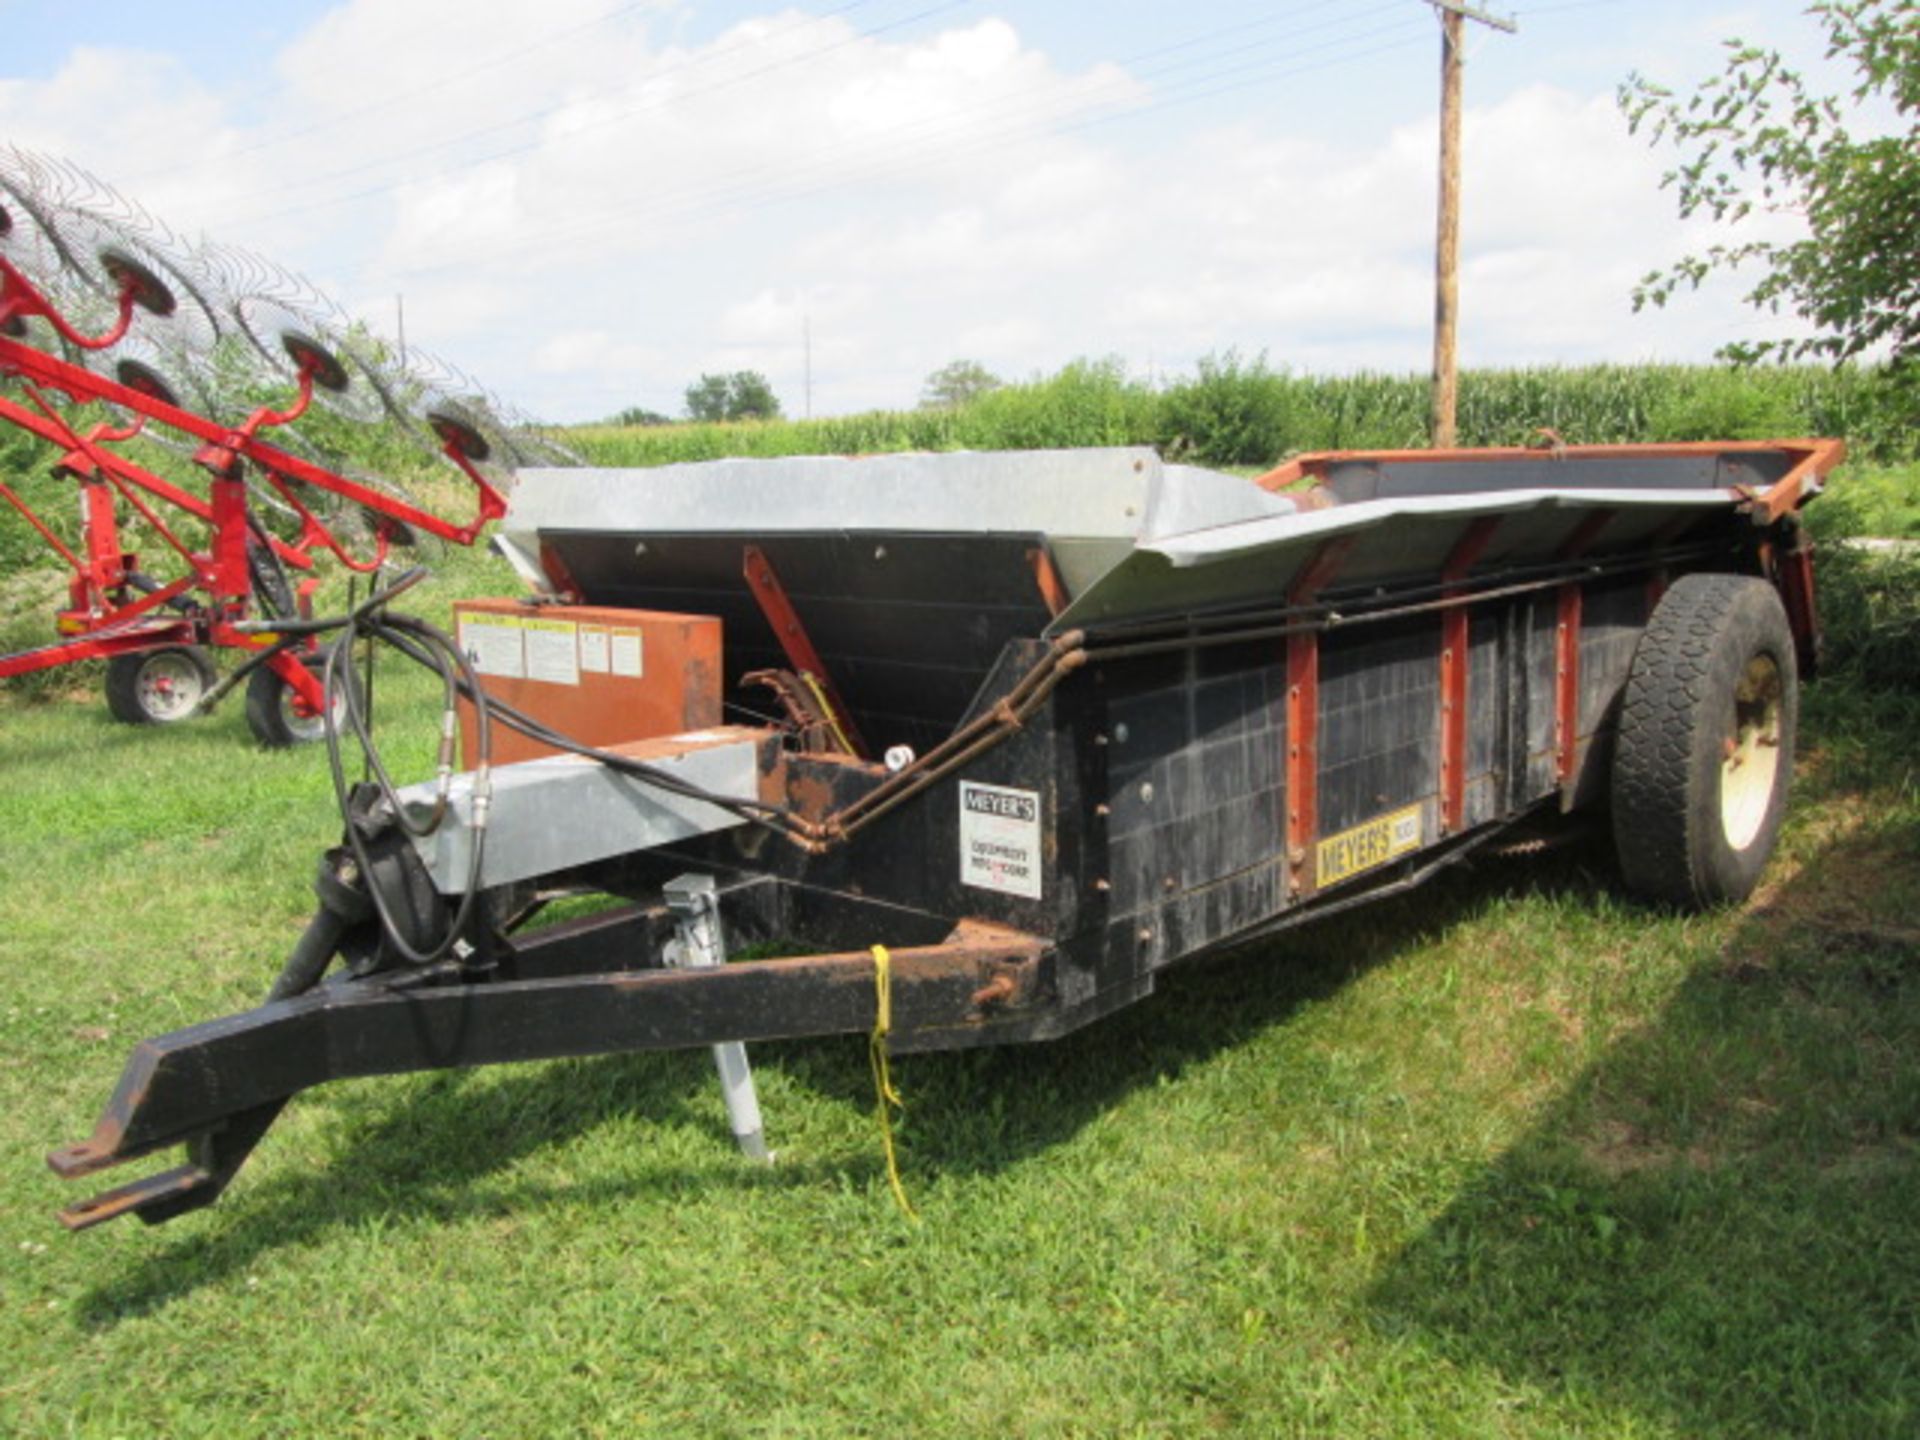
x,y
1751,753
169,687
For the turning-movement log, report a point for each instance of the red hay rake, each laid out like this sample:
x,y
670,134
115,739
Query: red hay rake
x,y
207,352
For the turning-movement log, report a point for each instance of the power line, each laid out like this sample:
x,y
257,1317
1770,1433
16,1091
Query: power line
x,y
1118,91
699,205
385,102
598,124
303,182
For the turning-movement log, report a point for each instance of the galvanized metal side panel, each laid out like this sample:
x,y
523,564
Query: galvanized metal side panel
x,y
1362,478
554,814
1395,539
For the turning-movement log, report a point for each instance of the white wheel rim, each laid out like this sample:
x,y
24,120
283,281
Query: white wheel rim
x,y
306,728
1750,764
169,687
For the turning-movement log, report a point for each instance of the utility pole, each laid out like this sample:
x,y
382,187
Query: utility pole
x,y
400,322
1446,267
806,343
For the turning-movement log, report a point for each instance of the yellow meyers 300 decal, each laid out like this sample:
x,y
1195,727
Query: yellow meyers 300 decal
x,y
1368,845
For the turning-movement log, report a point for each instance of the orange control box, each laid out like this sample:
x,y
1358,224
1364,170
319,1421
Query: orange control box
x,y
598,674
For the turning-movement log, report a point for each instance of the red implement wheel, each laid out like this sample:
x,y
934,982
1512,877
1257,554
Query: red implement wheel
x,y
275,718
158,687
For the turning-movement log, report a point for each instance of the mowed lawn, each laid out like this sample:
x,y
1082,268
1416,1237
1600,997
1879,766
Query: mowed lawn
x,y
1511,1155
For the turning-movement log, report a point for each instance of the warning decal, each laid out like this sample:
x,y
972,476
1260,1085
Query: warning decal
x,y
553,651
492,646
627,657
593,649
1000,839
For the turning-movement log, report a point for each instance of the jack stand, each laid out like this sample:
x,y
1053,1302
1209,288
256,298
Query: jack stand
x,y
698,944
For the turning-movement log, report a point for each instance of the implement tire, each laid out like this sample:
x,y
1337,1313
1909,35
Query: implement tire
x,y
270,710
158,687
1704,751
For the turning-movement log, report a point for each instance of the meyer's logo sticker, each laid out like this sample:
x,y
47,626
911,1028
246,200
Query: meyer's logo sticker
x,y
1365,846
1000,839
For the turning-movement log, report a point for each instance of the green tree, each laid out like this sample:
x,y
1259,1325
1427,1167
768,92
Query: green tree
x,y
743,395
957,383
639,415
1757,138
750,397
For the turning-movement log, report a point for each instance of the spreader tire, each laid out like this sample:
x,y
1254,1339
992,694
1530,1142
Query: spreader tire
x,y
270,712
1704,750
158,687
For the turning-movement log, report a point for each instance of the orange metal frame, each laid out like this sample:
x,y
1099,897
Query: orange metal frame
x,y
1815,459
1303,717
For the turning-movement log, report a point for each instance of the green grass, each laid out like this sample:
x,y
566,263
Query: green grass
x,y
1507,1156
1872,500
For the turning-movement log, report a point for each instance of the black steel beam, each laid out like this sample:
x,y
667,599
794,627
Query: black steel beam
x,y
196,1084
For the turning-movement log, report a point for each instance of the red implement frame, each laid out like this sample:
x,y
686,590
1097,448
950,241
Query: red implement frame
x,y
106,615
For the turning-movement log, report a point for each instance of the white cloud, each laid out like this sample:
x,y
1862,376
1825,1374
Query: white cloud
x,y
589,216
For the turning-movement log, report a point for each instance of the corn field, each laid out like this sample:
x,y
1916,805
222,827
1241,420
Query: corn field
x,y
1241,413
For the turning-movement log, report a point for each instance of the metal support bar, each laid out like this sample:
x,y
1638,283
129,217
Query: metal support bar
x,y
1794,577
1303,719
771,596
211,1085
1569,607
1052,591
1566,683
99,647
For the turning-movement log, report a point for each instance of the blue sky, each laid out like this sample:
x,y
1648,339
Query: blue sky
x,y
588,203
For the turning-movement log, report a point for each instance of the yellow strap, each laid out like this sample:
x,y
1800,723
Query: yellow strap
x,y
885,1094
826,709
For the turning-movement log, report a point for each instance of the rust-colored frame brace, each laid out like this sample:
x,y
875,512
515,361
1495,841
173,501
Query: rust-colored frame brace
x,y
1455,621
1793,577
1303,718
1053,592
771,596
1569,609
1814,460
